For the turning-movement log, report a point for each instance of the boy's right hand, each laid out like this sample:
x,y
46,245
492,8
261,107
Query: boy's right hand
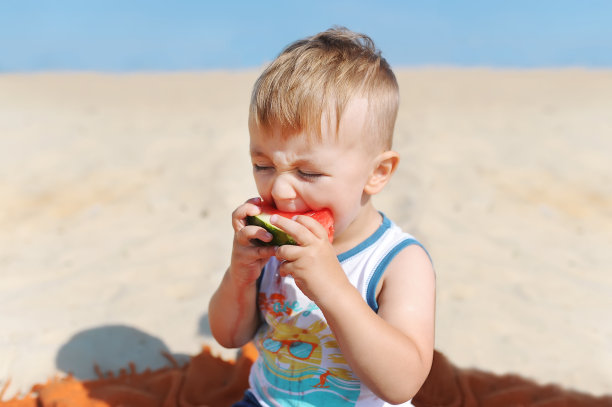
x,y
248,259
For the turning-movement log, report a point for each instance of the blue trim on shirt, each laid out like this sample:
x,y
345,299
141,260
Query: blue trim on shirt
x,y
258,285
386,224
260,278
382,266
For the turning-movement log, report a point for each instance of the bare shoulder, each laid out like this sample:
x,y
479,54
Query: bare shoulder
x,y
410,268
406,293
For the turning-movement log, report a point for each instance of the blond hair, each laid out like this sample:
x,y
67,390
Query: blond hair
x,y
317,77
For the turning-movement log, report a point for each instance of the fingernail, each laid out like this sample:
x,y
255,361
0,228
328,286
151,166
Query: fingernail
x,y
294,218
273,218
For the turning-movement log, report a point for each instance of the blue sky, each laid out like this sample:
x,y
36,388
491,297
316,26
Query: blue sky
x,y
155,35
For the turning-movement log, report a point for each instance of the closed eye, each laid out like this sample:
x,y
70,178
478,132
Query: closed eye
x,y
260,168
309,175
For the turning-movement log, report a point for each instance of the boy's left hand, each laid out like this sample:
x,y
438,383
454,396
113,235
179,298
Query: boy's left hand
x,y
313,262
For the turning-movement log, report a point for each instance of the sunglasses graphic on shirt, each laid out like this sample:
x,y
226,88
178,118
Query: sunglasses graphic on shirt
x,y
298,349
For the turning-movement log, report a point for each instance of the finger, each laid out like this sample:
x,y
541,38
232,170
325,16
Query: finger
x,y
283,271
287,268
254,201
249,208
290,226
251,254
264,252
246,235
288,253
312,225
301,227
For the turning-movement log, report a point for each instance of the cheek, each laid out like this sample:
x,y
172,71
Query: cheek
x,y
349,199
344,215
262,180
262,185
345,203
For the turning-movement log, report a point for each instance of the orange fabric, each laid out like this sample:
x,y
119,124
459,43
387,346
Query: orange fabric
x,y
210,381
206,380
450,386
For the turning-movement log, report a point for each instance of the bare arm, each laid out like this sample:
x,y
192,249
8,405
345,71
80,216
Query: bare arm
x,y
232,311
391,351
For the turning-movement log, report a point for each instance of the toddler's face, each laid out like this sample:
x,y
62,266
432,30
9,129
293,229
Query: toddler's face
x,y
298,174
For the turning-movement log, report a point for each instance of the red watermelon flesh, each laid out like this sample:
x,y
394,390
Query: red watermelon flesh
x,y
323,216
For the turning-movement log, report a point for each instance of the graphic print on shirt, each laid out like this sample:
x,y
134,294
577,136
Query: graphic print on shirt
x,y
301,360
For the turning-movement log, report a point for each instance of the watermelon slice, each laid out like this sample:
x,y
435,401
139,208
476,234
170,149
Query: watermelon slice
x,y
280,237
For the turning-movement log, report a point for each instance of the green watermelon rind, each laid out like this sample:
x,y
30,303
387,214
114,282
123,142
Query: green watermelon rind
x,y
279,236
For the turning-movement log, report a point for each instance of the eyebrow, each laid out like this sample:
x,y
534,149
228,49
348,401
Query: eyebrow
x,y
256,152
297,163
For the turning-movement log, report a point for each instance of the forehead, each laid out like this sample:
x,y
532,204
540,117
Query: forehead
x,y
351,129
268,142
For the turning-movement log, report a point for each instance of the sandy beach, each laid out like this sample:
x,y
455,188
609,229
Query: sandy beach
x,y
116,192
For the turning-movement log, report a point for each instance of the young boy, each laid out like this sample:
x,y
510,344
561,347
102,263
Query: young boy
x,y
348,323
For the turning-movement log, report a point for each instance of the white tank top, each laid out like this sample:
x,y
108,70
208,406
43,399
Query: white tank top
x,y
300,363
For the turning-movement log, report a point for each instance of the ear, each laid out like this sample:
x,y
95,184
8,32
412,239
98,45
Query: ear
x,y
384,167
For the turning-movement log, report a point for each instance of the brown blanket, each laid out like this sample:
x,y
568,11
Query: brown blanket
x,y
210,381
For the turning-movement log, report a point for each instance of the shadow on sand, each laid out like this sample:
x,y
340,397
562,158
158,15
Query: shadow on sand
x,y
112,347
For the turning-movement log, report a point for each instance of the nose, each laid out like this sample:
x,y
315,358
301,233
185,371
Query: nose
x,y
282,189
